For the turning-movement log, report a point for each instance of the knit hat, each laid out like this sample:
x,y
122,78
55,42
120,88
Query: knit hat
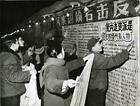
x,y
92,42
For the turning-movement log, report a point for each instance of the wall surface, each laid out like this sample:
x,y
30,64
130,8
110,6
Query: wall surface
x,y
117,34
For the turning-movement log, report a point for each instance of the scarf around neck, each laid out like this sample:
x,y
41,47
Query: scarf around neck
x,y
50,61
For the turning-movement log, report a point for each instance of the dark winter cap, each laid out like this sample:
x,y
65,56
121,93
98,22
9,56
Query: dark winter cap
x,y
92,42
12,37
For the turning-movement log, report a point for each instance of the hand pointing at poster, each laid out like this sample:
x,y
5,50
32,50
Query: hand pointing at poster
x,y
66,34
129,47
101,65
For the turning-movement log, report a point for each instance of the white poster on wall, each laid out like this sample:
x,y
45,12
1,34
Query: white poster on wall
x,y
80,34
123,82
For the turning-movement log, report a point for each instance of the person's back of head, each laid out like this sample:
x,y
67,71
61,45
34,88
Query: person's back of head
x,y
54,48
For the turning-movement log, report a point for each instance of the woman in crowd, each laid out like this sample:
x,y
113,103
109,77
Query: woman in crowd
x,y
11,74
55,74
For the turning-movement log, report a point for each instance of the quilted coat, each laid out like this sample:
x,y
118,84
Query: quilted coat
x,y
55,74
100,67
11,75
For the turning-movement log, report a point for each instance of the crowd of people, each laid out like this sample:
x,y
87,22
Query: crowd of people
x,y
54,77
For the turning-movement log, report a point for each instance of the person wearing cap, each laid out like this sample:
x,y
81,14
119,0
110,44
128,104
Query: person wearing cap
x,y
12,78
98,78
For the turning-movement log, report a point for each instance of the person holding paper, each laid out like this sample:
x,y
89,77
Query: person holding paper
x,y
98,77
54,76
12,78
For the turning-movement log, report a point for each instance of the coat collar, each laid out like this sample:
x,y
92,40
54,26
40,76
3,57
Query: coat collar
x,y
56,61
53,61
50,61
12,52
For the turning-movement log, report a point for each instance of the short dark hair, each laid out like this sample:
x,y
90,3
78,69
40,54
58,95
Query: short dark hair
x,y
9,39
54,48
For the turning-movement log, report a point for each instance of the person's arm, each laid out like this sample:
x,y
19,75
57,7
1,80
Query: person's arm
x,y
14,72
114,61
111,62
55,85
74,64
51,82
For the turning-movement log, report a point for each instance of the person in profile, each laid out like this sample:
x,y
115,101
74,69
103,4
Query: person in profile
x,y
101,64
70,53
12,78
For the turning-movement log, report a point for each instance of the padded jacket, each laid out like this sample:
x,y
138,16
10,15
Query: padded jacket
x,y
11,76
101,64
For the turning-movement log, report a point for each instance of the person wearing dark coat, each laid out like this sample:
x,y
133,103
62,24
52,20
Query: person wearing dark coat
x,y
12,78
101,64
56,76
70,54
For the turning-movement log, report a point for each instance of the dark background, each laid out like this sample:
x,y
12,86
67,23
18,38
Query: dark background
x,y
15,12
